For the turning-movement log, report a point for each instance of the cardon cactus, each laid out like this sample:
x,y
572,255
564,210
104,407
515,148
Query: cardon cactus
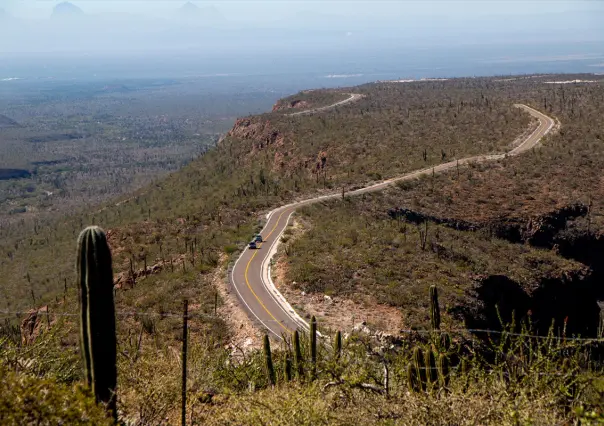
x,y
287,368
298,355
434,308
413,379
338,344
443,370
418,363
431,371
97,323
268,360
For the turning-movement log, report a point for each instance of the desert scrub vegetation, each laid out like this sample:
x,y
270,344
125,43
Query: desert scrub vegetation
x,y
563,170
385,132
215,198
26,399
169,238
353,247
507,377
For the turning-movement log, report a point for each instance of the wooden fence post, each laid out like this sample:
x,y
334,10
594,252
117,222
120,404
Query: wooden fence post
x,y
184,363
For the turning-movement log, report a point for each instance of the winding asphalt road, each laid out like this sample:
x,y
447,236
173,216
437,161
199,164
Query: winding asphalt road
x,y
250,276
353,97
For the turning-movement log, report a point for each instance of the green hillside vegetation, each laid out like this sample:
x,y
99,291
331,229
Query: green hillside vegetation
x,y
216,197
28,400
352,247
564,170
173,240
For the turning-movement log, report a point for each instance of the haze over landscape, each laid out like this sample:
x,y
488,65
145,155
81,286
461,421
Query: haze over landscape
x,y
436,38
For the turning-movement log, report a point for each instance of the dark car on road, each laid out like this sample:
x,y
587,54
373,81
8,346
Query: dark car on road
x,y
252,245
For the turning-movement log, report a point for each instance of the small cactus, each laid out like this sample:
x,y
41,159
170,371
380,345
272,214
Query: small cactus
x,y
418,362
413,380
298,355
431,371
268,360
434,308
313,346
97,309
287,368
338,345
464,368
445,342
443,370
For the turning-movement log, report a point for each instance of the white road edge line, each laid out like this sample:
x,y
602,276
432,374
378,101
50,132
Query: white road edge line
x,y
241,297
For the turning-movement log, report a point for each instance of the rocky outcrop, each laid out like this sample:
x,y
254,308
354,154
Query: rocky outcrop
x,y
261,132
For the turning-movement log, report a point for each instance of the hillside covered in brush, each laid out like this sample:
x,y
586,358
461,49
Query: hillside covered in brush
x,y
176,238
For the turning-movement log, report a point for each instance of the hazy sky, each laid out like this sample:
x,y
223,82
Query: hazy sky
x,y
275,9
295,26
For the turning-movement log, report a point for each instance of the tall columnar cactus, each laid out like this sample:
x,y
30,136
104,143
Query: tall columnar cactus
x,y
338,345
464,370
431,371
287,368
268,360
298,356
97,324
313,346
443,370
420,367
413,380
434,308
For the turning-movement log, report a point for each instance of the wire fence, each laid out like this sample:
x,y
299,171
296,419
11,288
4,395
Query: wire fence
x,y
475,331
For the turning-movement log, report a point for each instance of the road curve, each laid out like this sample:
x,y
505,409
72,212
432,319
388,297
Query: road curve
x,y
250,276
353,97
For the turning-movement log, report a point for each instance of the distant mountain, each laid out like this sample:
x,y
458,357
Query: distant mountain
x,y
206,15
66,10
189,8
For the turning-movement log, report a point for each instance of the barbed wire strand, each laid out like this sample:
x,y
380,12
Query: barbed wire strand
x,y
11,314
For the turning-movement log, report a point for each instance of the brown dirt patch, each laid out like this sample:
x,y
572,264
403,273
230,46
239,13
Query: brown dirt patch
x,y
334,312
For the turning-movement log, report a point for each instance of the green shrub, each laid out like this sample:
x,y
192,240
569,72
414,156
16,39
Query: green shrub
x,y
28,400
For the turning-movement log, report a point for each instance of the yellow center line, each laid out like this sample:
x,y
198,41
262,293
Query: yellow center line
x,y
248,282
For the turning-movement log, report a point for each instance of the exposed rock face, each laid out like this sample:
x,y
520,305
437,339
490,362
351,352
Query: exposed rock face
x,y
296,104
261,132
